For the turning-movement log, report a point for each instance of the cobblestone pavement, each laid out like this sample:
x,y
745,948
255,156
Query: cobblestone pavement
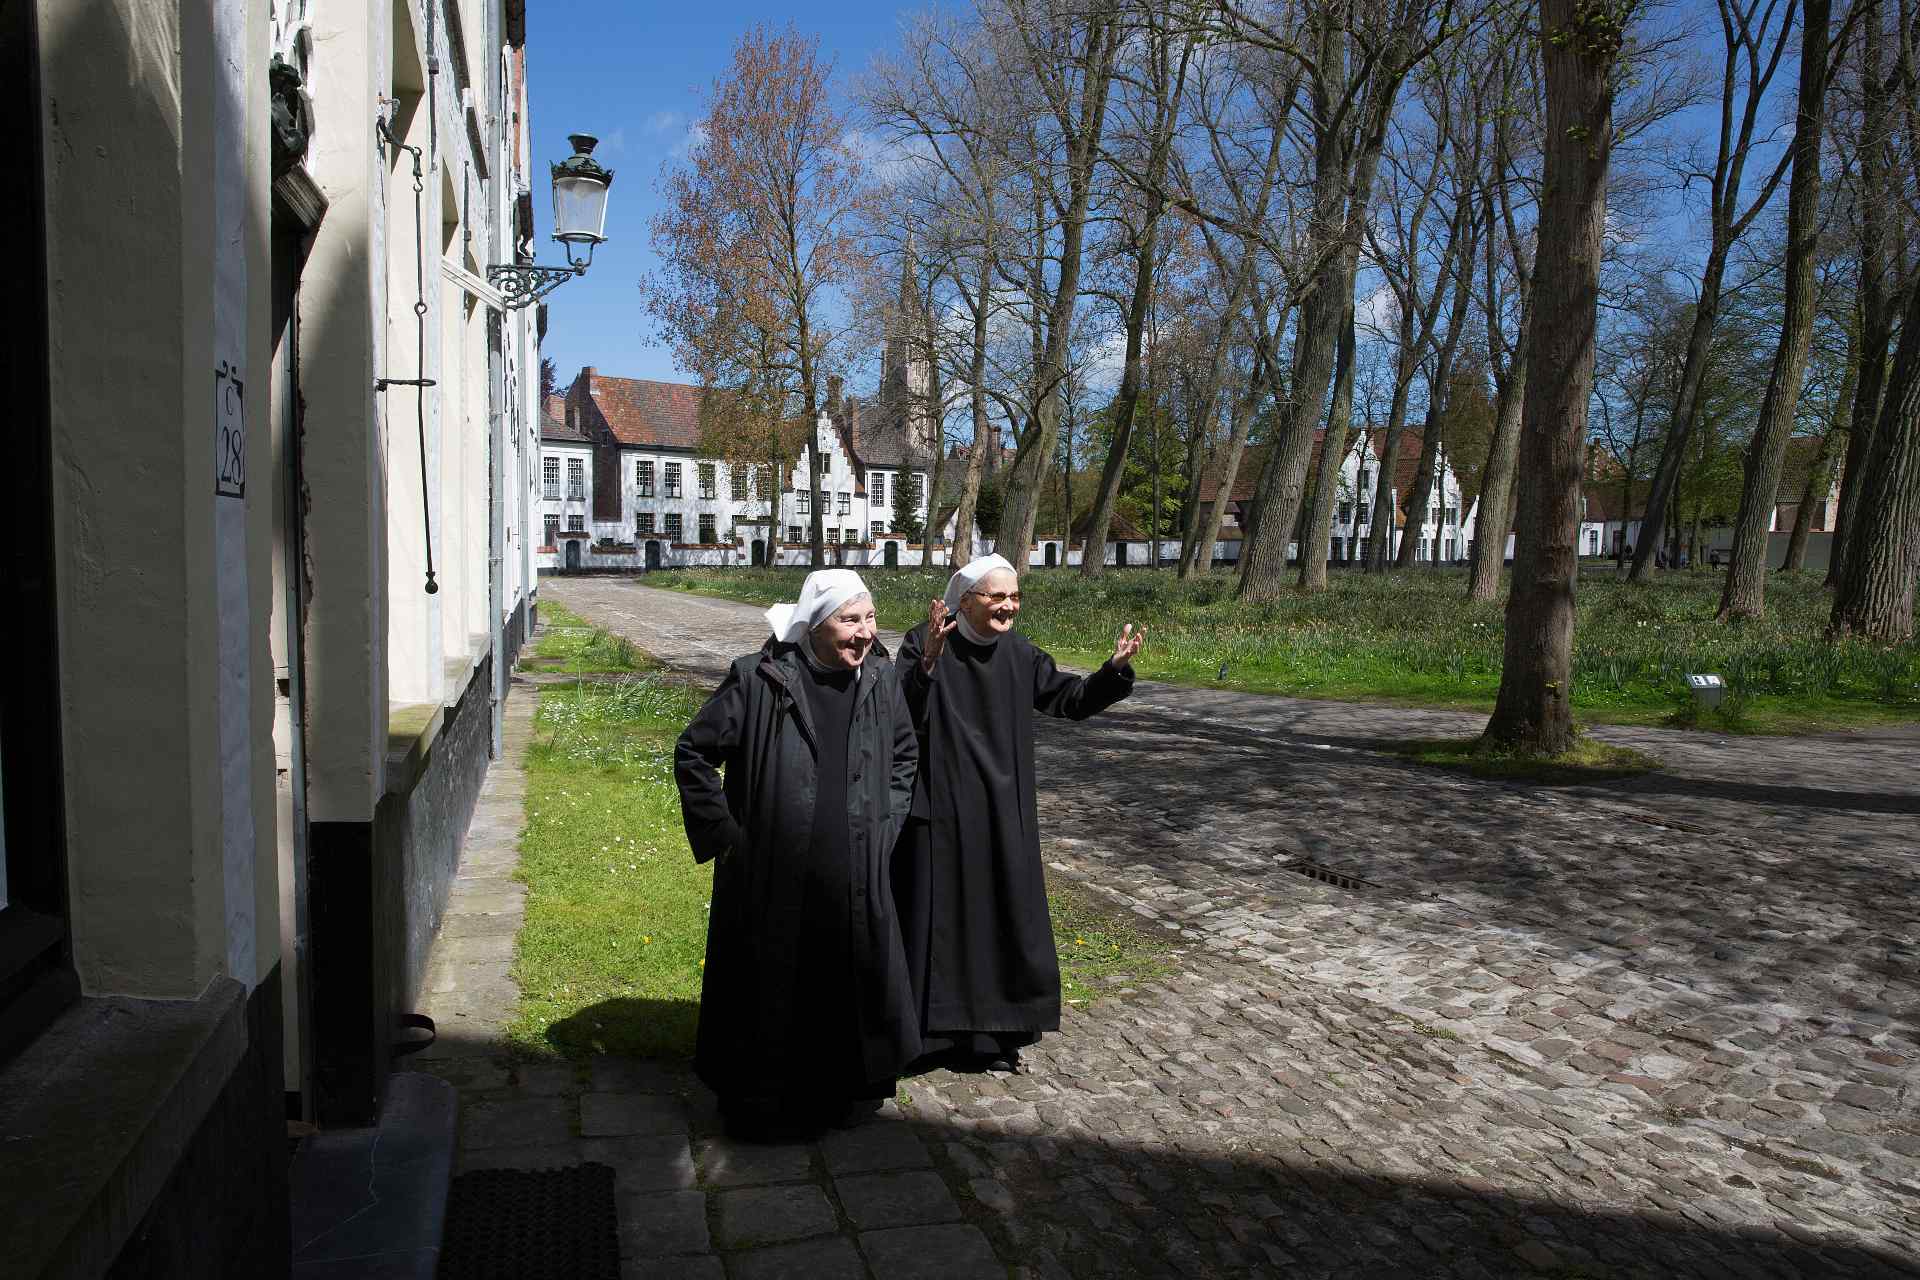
x,y
1666,1026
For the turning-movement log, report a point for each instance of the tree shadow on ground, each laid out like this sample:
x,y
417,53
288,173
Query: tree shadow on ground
x,y
628,1027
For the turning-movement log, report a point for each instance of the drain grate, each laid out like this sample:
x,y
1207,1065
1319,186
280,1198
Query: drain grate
x,y
518,1224
1326,875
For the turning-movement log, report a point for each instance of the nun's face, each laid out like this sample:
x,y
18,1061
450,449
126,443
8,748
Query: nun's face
x,y
846,637
993,603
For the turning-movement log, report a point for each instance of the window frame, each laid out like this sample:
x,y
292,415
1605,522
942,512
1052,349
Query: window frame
x,y
706,474
737,477
674,529
793,535
552,527
643,524
670,482
643,477
576,523
708,527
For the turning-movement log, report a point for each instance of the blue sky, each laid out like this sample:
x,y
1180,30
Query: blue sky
x,y
632,74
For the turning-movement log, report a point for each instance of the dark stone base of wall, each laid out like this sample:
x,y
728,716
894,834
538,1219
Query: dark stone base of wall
x,y
223,1210
376,891
514,634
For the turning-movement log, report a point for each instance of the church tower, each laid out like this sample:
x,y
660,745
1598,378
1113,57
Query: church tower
x,y
905,375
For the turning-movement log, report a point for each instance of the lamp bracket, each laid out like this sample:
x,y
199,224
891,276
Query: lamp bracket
x,y
521,286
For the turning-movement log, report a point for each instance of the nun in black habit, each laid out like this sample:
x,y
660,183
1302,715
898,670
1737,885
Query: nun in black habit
x,y
806,1015
968,884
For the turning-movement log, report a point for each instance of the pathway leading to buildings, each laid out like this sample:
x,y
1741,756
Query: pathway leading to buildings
x,y
1666,1026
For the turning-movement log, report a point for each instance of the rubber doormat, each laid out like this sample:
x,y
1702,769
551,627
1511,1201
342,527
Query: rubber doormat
x,y
519,1224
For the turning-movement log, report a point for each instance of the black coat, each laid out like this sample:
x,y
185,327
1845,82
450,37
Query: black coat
x,y
797,998
968,881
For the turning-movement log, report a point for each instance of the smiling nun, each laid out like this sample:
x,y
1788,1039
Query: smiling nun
x,y
968,884
806,1014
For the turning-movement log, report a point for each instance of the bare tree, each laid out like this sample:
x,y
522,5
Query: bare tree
x,y
758,231
1755,36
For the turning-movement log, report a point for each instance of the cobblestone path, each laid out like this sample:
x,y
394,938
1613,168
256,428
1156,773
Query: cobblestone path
x,y
1667,1026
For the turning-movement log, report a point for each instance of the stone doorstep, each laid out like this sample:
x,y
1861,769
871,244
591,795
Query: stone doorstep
x,y
377,1196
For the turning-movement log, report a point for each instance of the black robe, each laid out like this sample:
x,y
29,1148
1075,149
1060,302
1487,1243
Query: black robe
x,y
968,884
805,993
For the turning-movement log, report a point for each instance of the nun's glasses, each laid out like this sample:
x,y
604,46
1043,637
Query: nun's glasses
x,y
998,597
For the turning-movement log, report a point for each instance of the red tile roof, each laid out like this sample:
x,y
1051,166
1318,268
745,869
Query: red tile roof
x,y
639,411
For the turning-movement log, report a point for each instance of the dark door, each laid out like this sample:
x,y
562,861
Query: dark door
x,y
573,553
653,555
1053,555
892,555
1120,553
759,551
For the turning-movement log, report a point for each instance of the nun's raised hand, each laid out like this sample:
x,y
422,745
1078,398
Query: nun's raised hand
x,y
1130,638
940,625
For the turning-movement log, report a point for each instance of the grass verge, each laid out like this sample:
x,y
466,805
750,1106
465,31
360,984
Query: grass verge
x,y
1412,639
1589,760
567,644
609,958
1102,951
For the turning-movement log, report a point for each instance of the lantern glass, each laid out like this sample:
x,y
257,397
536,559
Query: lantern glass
x,y
579,208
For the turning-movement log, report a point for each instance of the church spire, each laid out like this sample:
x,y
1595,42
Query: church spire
x,y
904,375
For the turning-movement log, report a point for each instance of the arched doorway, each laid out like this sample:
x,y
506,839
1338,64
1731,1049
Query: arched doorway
x,y
759,552
891,555
653,555
573,553
1053,555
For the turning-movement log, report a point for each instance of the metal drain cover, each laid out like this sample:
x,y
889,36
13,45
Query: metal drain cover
x,y
519,1224
1326,875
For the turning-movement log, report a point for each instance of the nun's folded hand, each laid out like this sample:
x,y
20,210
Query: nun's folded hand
x,y
1129,644
939,626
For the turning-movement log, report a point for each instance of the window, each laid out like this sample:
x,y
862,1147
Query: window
x,y
1365,511
550,474
793,533
833,535
1453,517
737,483
707,534
846,503
826,502
673,517
803,503
879,528
643,478
576,523
643,523
553,531
850,535
1346,510
763,483
576,479
916,486
877,487
826,461
706,480
673,480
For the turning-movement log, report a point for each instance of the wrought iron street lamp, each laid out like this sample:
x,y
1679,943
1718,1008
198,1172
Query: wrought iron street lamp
x,y
580,188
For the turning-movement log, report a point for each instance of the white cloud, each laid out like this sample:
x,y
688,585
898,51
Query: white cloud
x,y
695,135
888,160
664,122
1380,309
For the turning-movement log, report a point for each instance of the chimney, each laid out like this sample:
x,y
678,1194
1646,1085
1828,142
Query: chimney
x,y
834,383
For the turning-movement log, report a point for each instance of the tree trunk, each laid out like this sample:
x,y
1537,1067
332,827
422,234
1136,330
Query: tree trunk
x,y
1415,499
1316,546
1380,548
982,429
1199,556
1495,521
1746,589
1028,473
1877,307
1093,556
1579,47
1874,597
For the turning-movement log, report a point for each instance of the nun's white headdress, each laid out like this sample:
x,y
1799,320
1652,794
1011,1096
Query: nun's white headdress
x,y
969,576
824,591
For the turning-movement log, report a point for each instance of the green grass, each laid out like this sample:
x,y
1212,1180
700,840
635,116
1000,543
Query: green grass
x,y
1589,760
1412,639
568,644
1101,950
609,959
